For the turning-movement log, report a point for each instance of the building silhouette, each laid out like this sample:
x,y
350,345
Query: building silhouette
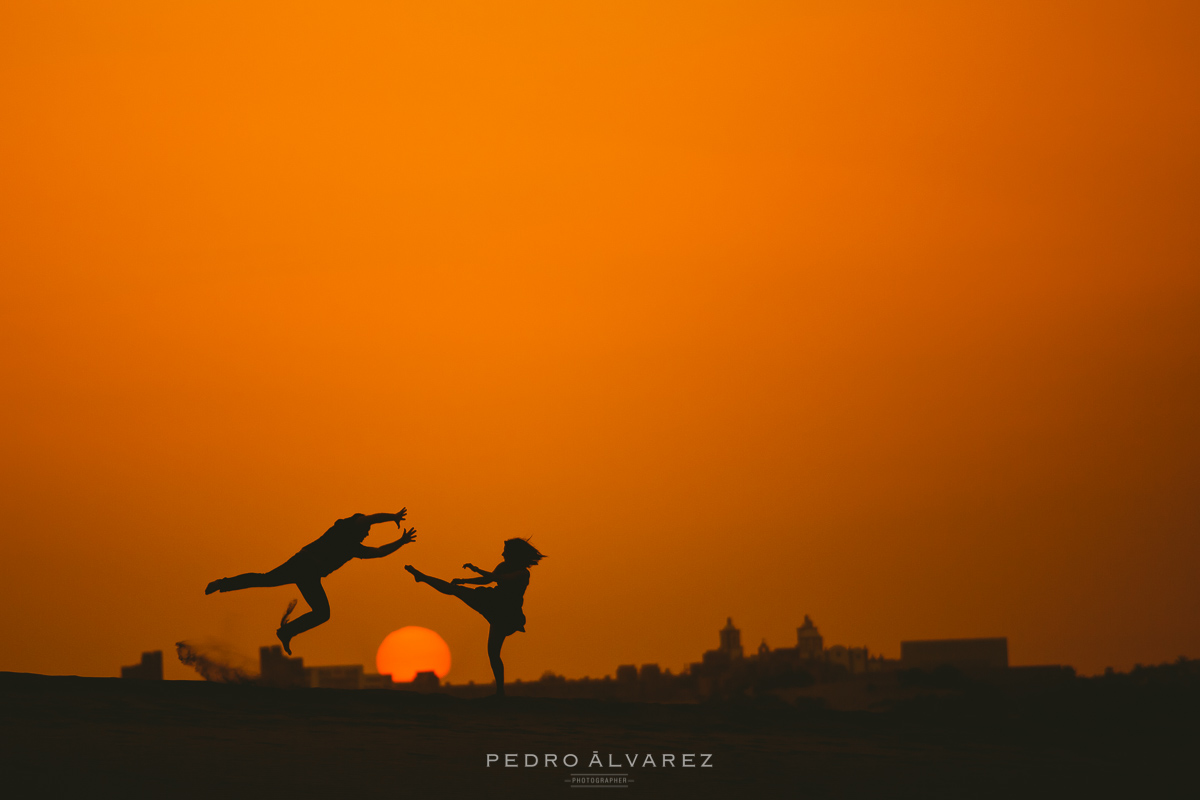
x,y
371,680
728,652
276,669
731,640
964,654
854,659
724,672
809,642
150,668
347,676
424,682
286,672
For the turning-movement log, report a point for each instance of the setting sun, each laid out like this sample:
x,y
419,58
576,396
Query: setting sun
x,y
410,650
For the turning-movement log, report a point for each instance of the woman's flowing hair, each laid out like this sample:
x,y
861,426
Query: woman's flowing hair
x,y
523,552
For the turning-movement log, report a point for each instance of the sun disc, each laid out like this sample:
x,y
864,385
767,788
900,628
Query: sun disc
x,y
412,649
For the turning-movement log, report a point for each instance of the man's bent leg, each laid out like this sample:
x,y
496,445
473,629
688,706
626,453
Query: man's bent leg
x,y
314,595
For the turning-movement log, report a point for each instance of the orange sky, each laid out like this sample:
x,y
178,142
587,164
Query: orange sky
x,y
888,313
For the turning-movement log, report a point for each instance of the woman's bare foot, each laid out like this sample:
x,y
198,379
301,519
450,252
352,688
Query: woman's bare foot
x,y
416,573
215,586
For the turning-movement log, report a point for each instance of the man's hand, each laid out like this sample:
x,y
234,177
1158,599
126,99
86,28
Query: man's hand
x,y
473,567
400,515
409,535
459,581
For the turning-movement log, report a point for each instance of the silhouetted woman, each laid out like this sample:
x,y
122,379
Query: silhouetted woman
x,y
339,544
501,604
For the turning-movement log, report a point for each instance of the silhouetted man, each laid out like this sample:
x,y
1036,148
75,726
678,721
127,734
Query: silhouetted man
x,y
339,544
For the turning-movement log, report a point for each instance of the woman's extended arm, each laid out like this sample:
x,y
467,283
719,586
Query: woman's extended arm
x,y
485,576
480,580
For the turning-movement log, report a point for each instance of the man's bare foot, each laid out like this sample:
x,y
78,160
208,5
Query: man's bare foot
x,y
215,586
285,640
416,573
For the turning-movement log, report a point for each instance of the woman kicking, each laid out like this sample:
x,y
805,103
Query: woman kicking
x,y
339,544
500,605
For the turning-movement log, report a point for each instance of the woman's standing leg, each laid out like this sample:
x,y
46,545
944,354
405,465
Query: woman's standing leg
x,y
495,642
476,601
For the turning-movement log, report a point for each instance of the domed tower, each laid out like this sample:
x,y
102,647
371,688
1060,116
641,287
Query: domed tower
x,y
731,639
808,640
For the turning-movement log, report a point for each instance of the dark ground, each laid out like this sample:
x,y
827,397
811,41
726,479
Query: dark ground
x,y
99,737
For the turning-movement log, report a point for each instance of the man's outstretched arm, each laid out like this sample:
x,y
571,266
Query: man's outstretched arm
x,y
373,519
387,549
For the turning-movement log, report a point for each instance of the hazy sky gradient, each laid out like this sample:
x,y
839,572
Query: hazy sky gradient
x,y
888,313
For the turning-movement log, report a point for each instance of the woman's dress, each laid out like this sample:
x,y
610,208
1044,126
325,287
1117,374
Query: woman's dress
x,y
501,604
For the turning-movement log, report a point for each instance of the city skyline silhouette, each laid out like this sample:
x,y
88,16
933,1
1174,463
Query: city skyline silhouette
x,y
843,356
884,314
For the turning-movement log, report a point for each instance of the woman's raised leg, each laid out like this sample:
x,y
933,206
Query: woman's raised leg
x,y
437,583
